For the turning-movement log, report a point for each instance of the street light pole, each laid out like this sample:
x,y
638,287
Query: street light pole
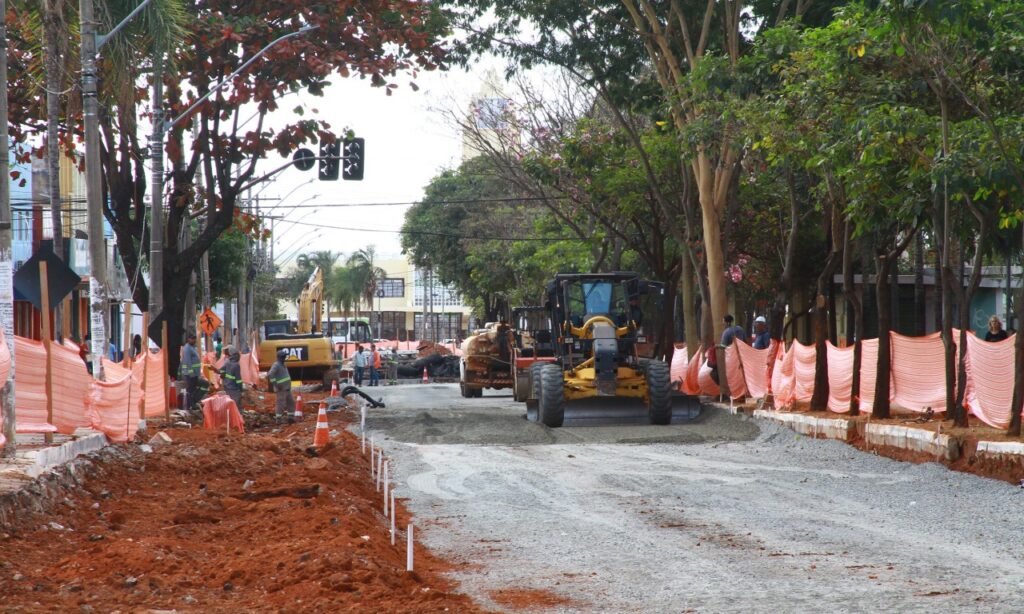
x,y
93,179
6,251
380,295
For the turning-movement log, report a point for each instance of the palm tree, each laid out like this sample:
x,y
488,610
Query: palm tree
x,y
345,289
367,272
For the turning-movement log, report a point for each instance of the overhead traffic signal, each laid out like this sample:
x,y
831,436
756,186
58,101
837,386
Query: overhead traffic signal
x,y
329,163
353,157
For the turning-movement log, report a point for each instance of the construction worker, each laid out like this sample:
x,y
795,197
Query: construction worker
x,y
232,374
281,384
374,365
189,370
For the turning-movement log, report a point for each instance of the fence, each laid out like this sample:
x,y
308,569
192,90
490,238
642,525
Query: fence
x,y
113,407
917,382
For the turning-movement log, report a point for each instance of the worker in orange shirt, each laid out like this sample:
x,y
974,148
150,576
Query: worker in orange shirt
x,y
374,365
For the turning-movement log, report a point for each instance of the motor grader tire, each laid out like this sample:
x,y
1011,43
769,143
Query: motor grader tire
x,y
659,392
520,386
533,395
552,396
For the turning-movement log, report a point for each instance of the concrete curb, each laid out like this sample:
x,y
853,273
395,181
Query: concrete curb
x,y
36,460
1001,448
917,440
826,428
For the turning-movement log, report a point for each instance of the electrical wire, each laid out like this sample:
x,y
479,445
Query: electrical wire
x,y
435,234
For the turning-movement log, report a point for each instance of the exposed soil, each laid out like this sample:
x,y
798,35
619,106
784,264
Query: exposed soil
x,y
528,599
1006,468
218,523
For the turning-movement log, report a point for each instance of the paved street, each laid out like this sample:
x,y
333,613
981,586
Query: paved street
x,y
719,514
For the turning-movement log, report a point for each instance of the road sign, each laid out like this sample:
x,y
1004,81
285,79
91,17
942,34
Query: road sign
x,y
61,280
209,322
303,159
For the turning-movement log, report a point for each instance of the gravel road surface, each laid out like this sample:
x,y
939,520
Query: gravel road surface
x,y
718,514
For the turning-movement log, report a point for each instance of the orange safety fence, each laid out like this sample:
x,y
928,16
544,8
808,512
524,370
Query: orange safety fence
x,y
71,382
691,383
5,359
677,368
840,377
755,368
218,410
919,372
250,368
30,388
804,361
705,382
151,370
113,405
990,389
780,380
734,371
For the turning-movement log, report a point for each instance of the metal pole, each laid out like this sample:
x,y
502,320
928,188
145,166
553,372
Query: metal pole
x,y
6,253
156,224
93,187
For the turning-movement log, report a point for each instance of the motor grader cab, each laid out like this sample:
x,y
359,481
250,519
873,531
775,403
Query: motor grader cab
x,y
604,330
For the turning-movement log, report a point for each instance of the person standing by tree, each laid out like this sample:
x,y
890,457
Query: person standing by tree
x,y
995,330
189,370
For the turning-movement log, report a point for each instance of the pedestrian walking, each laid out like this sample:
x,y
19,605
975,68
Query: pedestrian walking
x,y
281,384
231,373
189,370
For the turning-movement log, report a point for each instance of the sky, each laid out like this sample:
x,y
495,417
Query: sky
x,y
408,142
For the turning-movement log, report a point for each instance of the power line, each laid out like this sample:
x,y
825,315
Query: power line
x,y
434,233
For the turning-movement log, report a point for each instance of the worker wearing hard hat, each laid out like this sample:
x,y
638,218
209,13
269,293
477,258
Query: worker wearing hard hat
x,y
281,384
762,338
231,373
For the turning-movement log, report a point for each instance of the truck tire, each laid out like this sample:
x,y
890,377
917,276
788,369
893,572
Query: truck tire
x,y
464,390
552,396
520,385
659,392
533,392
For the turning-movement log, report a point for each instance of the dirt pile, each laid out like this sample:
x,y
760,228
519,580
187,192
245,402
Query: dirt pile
x,y
218,523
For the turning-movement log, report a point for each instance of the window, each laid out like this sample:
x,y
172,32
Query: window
x,y
393,287
442,326
440,295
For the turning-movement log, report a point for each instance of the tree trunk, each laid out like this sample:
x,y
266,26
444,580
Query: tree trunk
x,y
689,300
6,254
1018,369
857,307
883,374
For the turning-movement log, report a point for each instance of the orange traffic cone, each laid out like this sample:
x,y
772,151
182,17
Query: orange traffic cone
x,y
298,407
321,436
334,388
426,380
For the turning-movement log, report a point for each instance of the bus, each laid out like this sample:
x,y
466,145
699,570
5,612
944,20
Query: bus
x,y
348,330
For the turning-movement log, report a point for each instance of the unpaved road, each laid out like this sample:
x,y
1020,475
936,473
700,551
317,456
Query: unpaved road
x,y
724,514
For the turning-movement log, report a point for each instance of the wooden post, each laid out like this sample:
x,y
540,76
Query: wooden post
x,y
44,317
167,378
145,361
127,332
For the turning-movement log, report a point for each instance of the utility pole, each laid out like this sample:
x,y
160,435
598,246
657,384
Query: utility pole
x,y
6,253
52,34
93,187
156,216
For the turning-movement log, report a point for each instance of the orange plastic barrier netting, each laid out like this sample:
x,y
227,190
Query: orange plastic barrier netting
x,y
218,410
804,361
677,369
30,388
755,368
690,384
151,371
919,372
990,389
210,363
5,359
840,377
782,377
705,384
113,405
71,382
734,371
250,368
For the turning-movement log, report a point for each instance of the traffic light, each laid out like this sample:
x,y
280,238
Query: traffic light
x,y
329,163
353,157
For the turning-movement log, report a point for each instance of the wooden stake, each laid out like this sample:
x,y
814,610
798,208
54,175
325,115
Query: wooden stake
x,y
127,332
44,304
164,348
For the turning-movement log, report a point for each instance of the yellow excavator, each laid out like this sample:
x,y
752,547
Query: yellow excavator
x,y
311,355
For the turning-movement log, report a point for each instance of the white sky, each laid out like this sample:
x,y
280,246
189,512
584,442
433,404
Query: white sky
x,y
408,142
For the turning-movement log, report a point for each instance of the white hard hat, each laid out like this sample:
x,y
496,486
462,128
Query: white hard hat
x,y
759,319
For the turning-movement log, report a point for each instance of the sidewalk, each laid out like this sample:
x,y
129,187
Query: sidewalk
x,y
34,456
